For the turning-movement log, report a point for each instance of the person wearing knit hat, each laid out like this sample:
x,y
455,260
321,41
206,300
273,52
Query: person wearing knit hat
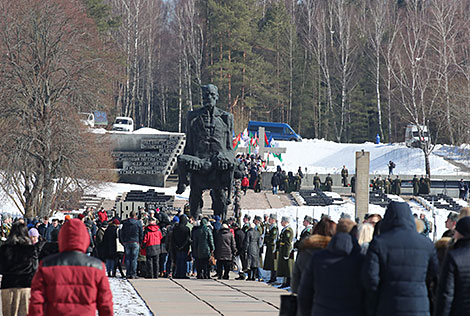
x,y
67,217
33,233
453,289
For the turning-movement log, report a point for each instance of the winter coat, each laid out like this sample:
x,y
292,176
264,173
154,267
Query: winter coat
x,y
48,249
397,264
131,231
453,294
203,242
331,284
239,238
276,179
251,247
152,240
99,248
270,239
181,238
442,245
102,216
307,247
70,282
245,182
224,245
284,261
110,242
18,263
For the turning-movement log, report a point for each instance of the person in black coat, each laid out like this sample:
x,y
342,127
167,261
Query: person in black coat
x,y
331,284
398,264
239,238
109,245
50,247
181,240
251,246
276,180
18,263
453,293
224,251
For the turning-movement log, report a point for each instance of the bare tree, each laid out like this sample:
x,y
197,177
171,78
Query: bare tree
x,y
48,55
417,81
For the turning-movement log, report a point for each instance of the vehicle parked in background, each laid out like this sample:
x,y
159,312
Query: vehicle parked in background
x,y
123,124
88,119
416,135
278,131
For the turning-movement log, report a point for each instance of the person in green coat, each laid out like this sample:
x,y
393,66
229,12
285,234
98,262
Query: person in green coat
x,y
258,221
427,180
328,183
203,248
284,246
270,240
388,185
397,185
316,181
379,184
415,185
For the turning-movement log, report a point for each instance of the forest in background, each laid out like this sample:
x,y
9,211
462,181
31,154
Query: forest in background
x,y
343,70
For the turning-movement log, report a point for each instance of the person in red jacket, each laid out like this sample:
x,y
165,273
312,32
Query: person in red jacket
x,y
70,282
102,215
245,184
151,244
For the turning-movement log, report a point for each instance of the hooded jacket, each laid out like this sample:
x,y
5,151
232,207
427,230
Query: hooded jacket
x,y
453,295
330,284
398,263
152,240
181,238
224,245
307,247
70,282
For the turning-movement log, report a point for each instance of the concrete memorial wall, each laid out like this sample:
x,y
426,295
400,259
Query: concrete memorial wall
x,y
146,159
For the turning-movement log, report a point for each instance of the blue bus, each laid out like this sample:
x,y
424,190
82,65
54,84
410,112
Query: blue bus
x,y
279,131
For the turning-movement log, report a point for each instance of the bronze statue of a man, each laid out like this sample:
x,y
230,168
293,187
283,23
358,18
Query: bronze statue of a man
x,y
208,156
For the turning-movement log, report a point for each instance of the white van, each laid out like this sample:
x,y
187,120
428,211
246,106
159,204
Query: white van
x,y
87,119
123,124
412,138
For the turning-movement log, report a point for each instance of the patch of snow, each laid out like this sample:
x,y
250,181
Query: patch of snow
x,y
112,190
319,155
126,301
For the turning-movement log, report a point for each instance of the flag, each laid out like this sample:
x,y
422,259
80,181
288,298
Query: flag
x,y
278,156
236,141
266,141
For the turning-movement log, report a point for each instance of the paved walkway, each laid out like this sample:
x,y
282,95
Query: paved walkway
x,y
209,297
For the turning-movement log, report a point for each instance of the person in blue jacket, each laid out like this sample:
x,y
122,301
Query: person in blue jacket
x,y
398,265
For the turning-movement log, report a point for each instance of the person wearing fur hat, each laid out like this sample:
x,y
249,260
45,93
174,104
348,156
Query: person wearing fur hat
x,y
284,247
453,293
251,247
70,282
321,236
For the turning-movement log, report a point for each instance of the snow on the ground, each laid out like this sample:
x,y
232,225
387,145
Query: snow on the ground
x,y
323,156
126,301
112,190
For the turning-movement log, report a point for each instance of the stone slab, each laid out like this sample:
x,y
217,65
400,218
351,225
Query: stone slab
x,y
209,297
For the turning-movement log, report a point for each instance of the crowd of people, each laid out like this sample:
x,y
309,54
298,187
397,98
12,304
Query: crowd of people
x,y
384,266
